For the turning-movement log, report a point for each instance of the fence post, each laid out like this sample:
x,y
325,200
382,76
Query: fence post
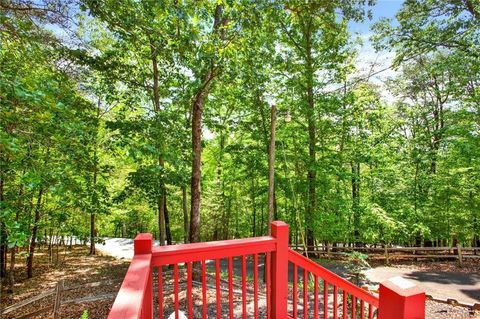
x,y
143,245
279,272
58,299
400,299
459,253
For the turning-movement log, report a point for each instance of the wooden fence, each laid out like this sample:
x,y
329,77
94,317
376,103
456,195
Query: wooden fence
x,y
58,292
459,253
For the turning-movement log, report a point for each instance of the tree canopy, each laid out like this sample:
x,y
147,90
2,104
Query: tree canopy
x,y
119,117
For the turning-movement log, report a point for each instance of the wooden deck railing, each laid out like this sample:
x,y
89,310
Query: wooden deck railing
x,y
279,294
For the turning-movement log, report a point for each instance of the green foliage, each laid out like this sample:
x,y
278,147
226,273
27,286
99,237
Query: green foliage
x,y
99,124
356,264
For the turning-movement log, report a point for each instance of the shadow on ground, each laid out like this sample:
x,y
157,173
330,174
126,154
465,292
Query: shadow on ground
x,y
444,278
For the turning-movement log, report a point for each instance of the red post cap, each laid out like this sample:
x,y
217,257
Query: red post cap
x,y
142,244
401,299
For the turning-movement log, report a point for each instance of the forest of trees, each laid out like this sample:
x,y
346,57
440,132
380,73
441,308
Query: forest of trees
x,y
128,116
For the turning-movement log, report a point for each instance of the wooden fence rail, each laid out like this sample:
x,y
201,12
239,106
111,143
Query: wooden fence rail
x,y
381,249
58,291
387,253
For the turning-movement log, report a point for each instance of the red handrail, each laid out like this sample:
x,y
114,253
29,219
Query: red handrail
x,y
331,277
129,302
174,254
135,298
226,249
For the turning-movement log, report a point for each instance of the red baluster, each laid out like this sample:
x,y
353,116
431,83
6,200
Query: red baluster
x,y
295,293
325,299
204,290
255,286
230,286
305,294
217,287
335,302
160,291
244,287
175,289
189,290
267,272
354,307
315,297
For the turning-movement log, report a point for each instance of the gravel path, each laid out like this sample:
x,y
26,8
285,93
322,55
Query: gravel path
x,y
463,287
121,248
436,310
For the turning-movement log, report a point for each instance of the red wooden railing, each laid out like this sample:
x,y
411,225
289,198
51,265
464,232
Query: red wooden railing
x,y
340,298
351,296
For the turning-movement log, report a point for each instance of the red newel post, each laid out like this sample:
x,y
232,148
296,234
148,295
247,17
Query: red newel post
x,y
400,299
143,245
279,272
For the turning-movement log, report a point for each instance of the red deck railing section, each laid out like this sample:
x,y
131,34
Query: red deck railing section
x,y
310,291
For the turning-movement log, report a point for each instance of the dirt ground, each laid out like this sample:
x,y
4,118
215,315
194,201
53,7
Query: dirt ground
x,y
75,267
470,266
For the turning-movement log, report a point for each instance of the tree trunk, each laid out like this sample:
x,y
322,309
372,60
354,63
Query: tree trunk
x,y
3,236
271,170
56,248
11,277
194,233
311,172
185,214
262,218
50,245
11,273
197,109
161,218
34,234
167,223
95,201
219,214
161,163
309,75
3,259
92,233
356,201
254,228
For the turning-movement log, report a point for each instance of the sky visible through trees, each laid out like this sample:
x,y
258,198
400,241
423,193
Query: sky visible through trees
x,y
120,117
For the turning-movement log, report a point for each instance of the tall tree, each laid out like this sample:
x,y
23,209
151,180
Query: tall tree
x,y
316,37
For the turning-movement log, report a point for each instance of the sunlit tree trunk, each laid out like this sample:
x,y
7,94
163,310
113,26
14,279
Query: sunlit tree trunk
x,y
185,214
33,242
168,233
3,237
197,109
271,170
311,171
161,163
